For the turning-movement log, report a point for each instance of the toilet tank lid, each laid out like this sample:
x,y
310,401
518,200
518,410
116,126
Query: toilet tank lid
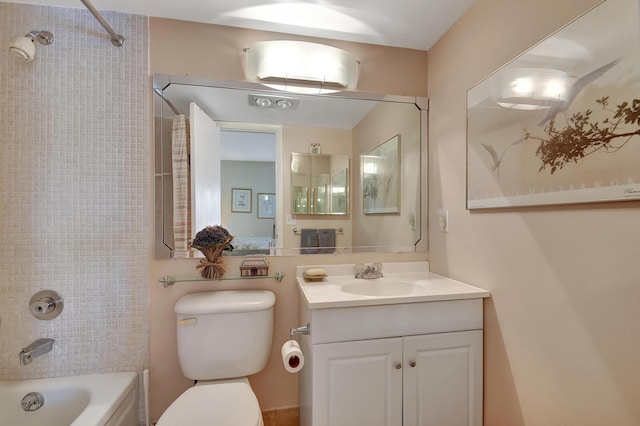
x,y
223,302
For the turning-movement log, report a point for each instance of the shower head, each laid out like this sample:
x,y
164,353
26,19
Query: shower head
x,y
25,48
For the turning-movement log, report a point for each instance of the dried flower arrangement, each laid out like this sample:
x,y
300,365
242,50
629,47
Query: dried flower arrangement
x,y
212,241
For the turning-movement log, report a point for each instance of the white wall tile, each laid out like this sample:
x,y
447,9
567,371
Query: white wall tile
x,y
74,158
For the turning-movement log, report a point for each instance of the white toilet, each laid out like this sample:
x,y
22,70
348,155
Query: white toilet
x,y
223,336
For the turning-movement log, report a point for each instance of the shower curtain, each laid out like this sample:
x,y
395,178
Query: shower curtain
x,y
181,186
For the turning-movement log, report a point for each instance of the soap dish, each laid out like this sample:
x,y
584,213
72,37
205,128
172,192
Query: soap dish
x,y
314,277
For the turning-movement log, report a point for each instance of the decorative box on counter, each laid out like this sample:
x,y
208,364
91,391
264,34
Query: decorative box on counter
x,y
254,266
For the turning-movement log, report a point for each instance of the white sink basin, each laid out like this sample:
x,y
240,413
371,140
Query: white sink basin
x,y
380,287
403,282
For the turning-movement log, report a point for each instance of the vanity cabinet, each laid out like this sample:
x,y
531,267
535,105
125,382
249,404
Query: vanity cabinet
x,y
408,364
431,379
357,383
443,384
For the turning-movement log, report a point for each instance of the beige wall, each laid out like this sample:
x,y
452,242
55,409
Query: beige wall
x,y
215,52
562,325
381,124
172,47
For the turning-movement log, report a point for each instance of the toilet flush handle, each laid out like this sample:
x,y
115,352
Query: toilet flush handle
x,y
188,321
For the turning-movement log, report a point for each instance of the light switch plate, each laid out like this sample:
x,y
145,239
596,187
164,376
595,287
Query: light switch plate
x,y
443,219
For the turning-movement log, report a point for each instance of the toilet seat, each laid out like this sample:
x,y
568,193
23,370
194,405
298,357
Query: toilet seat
x,y
220,403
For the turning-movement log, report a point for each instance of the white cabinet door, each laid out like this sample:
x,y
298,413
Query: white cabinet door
x,y
358,383
443,379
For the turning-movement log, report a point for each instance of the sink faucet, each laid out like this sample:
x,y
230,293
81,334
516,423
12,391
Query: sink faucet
x,y
35,349
368,271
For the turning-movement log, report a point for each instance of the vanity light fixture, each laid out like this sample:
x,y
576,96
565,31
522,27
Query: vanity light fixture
x,y
301,67
270,101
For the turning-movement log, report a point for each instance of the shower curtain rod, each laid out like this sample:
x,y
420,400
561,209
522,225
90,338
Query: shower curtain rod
x,y
116,39
164,98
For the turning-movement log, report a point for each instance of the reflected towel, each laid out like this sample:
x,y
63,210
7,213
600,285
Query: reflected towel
x,y
181,189
327,240
308,241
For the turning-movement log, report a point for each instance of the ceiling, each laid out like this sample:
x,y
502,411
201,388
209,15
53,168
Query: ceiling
x,y
414,24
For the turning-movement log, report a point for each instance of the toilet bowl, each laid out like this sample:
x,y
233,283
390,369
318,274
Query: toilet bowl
x,y
219,402
223,336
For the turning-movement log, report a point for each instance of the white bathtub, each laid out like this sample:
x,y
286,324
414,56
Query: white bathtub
x,y
92,400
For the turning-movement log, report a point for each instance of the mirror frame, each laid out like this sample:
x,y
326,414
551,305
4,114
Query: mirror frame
x,y
160,105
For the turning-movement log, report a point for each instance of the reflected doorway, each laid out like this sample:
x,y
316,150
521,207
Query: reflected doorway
x,y
249,161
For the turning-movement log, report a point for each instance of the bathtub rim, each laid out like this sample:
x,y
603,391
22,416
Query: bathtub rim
x,y
107,392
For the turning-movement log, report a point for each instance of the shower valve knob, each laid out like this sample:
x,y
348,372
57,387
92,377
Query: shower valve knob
x,y
46,304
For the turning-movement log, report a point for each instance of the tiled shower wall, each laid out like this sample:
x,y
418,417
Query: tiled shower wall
x,y
74,188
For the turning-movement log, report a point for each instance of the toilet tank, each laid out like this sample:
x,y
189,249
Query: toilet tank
x,y
224,334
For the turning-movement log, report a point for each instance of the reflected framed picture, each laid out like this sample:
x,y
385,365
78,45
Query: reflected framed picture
x,y
381,179
266,206
240,200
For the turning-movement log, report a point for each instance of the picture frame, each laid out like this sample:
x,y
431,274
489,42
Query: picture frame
x,y
241,200
266,205
558,124
381,178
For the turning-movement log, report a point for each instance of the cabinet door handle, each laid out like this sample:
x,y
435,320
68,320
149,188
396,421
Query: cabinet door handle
x,y
397,365
412,363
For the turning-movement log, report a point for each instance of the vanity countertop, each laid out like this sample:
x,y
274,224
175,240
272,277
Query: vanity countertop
x,y
403,282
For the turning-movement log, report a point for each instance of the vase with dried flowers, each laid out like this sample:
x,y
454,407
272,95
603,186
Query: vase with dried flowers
x,y
212,241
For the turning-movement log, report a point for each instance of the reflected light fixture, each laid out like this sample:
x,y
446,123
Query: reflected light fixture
x,y
263,102
369,164
301,67
531,88
271,101
284,104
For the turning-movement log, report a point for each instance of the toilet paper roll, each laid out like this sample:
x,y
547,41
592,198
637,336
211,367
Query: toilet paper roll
x,y
292,356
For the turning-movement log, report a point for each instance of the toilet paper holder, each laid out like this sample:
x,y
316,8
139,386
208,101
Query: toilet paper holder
x,y
305,329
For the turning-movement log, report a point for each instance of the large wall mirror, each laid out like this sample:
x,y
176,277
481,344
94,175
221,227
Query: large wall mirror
x,y
223,156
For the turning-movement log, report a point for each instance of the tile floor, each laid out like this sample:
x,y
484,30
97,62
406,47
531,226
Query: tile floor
x,y
281,417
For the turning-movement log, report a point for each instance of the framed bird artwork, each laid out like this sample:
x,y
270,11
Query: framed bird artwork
x,y
560,124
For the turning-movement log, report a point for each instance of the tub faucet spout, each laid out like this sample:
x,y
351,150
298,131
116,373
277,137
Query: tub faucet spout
x,y
37,348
